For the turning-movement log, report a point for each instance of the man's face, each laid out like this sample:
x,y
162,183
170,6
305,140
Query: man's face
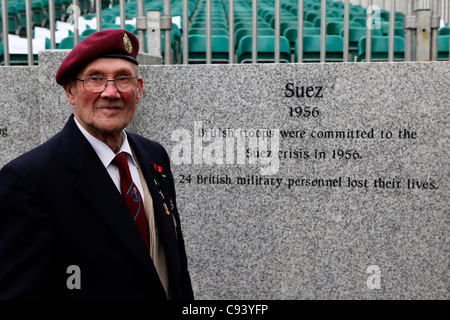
x,y
108,112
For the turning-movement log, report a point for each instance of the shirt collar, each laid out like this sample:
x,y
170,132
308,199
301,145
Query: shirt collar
x,y
103,151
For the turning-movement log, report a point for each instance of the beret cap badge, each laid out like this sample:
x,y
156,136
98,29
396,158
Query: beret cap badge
x,y
127,43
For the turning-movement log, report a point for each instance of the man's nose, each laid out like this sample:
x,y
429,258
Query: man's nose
x,y
111,91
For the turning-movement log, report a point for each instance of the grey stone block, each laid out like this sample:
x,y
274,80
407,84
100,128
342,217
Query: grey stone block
x,y
351,203
338,217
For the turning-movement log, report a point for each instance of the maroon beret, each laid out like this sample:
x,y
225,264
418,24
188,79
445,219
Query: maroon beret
x,y
117,43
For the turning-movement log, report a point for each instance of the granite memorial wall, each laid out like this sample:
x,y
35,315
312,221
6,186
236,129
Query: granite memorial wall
x,y
312,181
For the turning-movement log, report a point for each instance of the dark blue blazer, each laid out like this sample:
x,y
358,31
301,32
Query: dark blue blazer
x,y
59,207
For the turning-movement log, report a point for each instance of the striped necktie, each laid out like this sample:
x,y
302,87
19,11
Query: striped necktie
x,y
132,196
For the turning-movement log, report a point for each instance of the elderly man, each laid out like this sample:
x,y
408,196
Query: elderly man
x,y
92,214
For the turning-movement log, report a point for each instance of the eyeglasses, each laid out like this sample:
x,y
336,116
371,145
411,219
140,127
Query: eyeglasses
x,y
99,84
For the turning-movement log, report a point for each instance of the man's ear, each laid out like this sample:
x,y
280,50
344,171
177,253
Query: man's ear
x,y
139,90
70,88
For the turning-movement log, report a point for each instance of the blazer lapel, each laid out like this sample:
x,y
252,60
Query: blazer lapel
x,y
165,221
97,187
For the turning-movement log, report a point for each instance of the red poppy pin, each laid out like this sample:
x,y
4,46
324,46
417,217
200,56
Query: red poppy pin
x,y
158,169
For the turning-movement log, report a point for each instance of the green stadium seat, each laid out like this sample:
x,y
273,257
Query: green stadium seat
x,y
444,31
91,16
318,21
84,6
292,35
38,14
214,31
249,25
21,13
380,49
310,16
308,24
399,32
283,19
287,25
213,25
13,18
266,50
384,27
363,21
246,19
109,17
60,11
384,14
335,27
357,15
88,32
239,34
112,26
197,49
311,49
214,19
67,43
443,47
355,34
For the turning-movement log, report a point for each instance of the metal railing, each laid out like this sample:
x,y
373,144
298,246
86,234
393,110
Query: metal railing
x,y
144,23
